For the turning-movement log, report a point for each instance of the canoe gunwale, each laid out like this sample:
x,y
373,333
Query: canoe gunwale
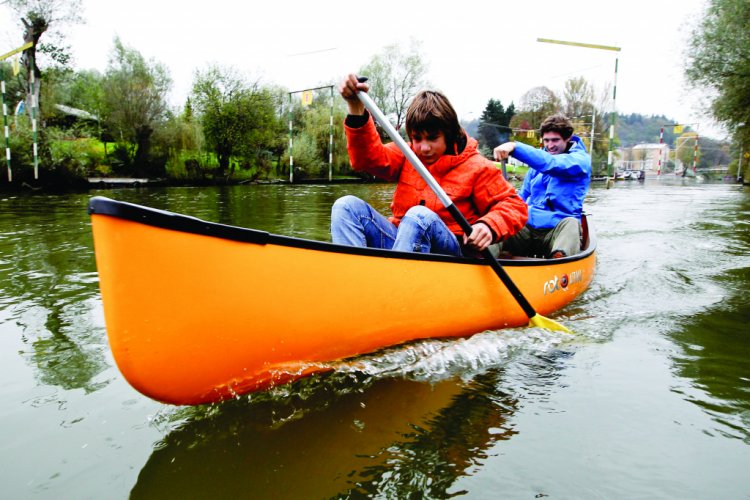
x,y
100,205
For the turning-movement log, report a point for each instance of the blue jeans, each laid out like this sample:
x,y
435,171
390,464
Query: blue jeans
x,y
354,222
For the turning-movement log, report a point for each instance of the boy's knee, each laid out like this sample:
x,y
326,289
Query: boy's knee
x,y
347,200
346,203
420,212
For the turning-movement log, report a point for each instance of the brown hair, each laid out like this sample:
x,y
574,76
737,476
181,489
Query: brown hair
x,y
430,111
558,123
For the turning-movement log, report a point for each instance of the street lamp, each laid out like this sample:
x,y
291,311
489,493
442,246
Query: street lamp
x,y
610,162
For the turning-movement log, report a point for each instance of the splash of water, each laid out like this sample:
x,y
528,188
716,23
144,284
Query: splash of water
x,y
435,360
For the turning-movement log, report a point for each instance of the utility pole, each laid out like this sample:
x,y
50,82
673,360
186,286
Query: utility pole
x,y
661,153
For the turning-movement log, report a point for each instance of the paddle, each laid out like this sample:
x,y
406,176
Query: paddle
x,y
535,319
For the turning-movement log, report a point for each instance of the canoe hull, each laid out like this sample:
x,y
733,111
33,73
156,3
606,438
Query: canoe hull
x,y
195,318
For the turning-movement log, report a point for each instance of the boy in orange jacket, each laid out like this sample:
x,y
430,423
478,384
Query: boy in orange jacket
x,y
419,222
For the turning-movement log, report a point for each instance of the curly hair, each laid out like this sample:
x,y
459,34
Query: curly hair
x,y
558,123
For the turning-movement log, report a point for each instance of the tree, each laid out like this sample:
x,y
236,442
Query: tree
x,y
315,124
494,124
38,17
578,98
84,90
719,59
586,109
239,119
394,79
180,140
81,90
134,93
537,104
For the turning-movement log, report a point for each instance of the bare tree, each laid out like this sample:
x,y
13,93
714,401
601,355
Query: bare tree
x,y
534,106
395,77
134,94
578,95
38,17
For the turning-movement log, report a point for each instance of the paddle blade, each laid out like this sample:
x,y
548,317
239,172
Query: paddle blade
x,y
549,324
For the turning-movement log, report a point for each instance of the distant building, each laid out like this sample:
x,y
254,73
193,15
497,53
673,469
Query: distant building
x,y
643,157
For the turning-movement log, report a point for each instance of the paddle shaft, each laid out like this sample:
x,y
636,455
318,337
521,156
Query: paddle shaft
x,y
444,199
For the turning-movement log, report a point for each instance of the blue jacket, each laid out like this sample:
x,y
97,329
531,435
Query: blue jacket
x,y
555,185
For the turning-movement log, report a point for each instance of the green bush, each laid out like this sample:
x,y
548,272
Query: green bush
x,y
307,162
79,158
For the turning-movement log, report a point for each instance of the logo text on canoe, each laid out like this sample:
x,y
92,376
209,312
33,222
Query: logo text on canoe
x,y
562,282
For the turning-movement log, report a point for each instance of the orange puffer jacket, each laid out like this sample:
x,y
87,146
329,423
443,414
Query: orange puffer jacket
x,y
474,183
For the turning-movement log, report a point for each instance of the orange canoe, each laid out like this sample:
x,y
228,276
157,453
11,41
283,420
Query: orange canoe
x,y
197,312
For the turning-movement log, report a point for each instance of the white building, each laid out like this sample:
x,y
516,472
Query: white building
x,y
649,157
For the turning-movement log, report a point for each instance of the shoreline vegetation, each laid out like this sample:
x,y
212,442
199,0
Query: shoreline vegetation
x,y
118,129
67,125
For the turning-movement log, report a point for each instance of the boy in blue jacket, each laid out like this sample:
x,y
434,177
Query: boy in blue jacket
x,y
554,189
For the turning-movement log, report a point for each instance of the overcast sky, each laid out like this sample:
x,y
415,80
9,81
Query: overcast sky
x,y
476,50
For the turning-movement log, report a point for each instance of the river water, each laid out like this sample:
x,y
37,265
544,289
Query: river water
x,y
650,399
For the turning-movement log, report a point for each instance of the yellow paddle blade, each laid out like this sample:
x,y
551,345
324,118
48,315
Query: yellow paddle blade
x,y
549,324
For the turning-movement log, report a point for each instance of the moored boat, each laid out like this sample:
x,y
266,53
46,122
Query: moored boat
x,y
197,312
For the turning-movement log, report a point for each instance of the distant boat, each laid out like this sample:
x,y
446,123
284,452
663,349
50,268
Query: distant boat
x,y
630,175
197,312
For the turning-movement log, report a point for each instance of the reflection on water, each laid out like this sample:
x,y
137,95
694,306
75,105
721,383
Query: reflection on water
x,y
328,437
403,422
715,358
49,288
715,342
431,418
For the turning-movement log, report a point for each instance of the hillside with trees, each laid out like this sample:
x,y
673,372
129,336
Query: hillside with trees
x,y
634,129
